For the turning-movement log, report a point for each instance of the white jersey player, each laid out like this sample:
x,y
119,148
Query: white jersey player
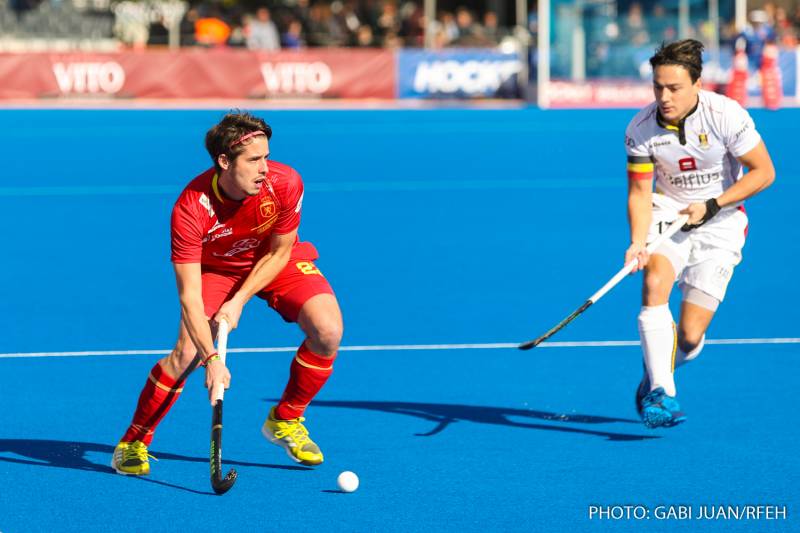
x,y
694,144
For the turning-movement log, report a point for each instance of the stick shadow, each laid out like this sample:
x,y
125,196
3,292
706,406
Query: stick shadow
x,y
73,455
442,415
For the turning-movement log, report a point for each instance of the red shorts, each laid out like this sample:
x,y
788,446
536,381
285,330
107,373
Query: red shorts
x,y
294,286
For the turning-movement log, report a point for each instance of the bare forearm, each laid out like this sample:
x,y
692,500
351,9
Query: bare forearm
x,y
266,270
640,213
196,323
751,184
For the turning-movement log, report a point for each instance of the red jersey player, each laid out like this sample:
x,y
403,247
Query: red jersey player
x,y
234,235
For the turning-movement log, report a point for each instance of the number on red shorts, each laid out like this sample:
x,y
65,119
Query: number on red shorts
x,y
307,267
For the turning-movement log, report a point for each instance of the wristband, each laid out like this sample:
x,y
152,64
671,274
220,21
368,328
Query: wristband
x,y
211,357
712,208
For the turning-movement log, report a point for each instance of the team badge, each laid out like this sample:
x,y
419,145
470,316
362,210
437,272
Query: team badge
x,y
268,214
703,137
267,208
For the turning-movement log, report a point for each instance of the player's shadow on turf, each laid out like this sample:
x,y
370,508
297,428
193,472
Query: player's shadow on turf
x,y
445,414
68,454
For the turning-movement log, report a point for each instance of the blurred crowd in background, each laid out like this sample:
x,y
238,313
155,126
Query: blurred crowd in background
x,y
614,37
611,26
270,26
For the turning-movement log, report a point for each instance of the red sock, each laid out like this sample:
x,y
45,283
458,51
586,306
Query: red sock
x,y
308,374
159,393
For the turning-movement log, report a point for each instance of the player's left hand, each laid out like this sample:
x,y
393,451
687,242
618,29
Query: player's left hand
x,y
216,372
230,311
637,251
695,212
700,213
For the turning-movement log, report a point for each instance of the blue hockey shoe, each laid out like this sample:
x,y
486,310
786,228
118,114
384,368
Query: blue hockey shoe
x,y
660,410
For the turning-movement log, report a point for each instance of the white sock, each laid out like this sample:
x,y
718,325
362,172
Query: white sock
x,y
681,357
657,332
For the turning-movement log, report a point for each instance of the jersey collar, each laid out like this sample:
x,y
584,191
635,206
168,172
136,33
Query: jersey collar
x,y
216,189
680,127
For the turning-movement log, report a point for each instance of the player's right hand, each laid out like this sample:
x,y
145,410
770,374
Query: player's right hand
x,y
216,372
230,311
637,251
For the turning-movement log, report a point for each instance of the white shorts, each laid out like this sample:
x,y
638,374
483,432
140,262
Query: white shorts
x,y
705,257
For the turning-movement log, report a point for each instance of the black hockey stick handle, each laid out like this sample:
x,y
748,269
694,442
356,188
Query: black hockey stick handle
x,y
652,247
220,484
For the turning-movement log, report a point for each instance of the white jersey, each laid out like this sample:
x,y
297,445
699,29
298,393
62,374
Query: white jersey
x,y
696,160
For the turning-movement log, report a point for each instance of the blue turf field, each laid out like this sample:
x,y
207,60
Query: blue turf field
x,y
435,227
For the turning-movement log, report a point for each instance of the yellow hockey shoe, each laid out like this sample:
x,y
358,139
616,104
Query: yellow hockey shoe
x,y
293,437
131,459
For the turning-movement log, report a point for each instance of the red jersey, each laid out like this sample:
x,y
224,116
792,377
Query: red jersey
x,y
223,234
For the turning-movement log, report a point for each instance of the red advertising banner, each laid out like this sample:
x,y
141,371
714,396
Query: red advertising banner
x,y
197,73
594,93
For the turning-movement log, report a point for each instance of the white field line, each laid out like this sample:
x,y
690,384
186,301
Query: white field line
x,y
405,347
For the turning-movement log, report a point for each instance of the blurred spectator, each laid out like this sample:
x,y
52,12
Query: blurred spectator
x,y
388,21
347,17
131,24
323,28
293,36
158,33
392,40
316,28
238,36
364,37
633,29
301,12
449,27
491,30
770,9
340,22
469,33
533,20
412,24
440,38
187,27
756,35
784,29
662,28
212,30
261,33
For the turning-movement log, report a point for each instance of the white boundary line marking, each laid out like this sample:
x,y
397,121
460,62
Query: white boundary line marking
x,y
406,347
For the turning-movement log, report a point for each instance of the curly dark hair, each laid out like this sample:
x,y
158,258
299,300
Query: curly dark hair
x,y
687,53
221,139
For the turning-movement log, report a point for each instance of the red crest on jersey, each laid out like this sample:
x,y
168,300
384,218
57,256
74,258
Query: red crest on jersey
x,y
267,208
687,163
268,212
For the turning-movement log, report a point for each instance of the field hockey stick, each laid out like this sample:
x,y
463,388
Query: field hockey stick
x,y
670,231
218,483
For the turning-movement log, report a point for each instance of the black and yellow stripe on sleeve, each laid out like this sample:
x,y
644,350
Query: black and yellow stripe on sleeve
x,y
640,167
